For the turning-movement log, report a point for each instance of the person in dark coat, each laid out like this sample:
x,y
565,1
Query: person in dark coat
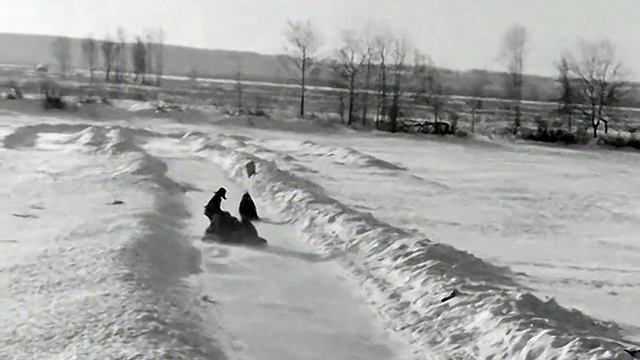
x,y
221,222
247,209
213,206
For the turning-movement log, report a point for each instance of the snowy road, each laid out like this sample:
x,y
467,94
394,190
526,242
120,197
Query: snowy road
x,y
284,302
82,277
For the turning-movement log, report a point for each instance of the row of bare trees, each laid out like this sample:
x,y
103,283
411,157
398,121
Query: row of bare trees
x,y
370,66
592,82
365,65
146,56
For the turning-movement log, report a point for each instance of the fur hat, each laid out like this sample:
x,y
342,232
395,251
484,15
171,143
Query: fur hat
x,y
222,192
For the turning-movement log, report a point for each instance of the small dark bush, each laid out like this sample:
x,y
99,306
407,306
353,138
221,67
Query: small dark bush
x,y
616,140
461,133
543,134
52,101
258,112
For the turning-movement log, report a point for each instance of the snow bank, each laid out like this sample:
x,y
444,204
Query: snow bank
x,y
492,317
26,136
106,281
341,155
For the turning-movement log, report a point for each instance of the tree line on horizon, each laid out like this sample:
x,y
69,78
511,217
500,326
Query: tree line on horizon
x,y
145,55
377,72
381,66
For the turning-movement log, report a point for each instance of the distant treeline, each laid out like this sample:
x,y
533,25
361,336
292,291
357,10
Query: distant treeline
x,y
27,49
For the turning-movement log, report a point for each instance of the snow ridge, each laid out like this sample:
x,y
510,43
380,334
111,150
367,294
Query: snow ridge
x,y
408,275
130,261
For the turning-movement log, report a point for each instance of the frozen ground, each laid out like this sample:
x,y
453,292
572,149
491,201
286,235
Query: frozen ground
x,y
85,278
563,218
373,232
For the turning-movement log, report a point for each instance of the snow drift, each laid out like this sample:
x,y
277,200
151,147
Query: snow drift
x,y
108,283
408,275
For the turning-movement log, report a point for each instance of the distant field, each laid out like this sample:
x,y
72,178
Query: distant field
x,y
495,116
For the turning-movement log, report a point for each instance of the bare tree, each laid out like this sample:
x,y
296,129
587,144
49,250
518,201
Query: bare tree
x,y
139,59
193,75
304,43
107,48
600,80
338,81
239,88
382,46
90,52
350,60
477,84
398,56
159,55
121,55
512,53
62,53
150,53
430,89
368,59
567,96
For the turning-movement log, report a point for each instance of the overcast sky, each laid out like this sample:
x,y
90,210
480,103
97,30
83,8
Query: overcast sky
x,y
458,34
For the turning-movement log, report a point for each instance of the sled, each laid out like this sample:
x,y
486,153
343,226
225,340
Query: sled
x,y
234,240
241,233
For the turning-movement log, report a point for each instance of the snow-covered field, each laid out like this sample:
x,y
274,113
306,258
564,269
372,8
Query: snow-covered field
x,y
370,232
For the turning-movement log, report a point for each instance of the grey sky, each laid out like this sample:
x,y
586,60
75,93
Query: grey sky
x,y
459,34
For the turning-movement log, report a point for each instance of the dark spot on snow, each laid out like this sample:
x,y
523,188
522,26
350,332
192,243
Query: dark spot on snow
x,y
251,168
117,202
206,298
450,296
25,216
37,207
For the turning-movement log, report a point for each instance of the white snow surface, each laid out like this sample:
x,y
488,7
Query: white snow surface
x,y
375,231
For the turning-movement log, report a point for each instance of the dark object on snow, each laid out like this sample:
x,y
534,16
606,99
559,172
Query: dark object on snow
x,y
251,168
247,208
162,106
225,228
90,99
213,206
450,296
206,298
248,229
14,94
634,353
25,216
117,202
53,101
